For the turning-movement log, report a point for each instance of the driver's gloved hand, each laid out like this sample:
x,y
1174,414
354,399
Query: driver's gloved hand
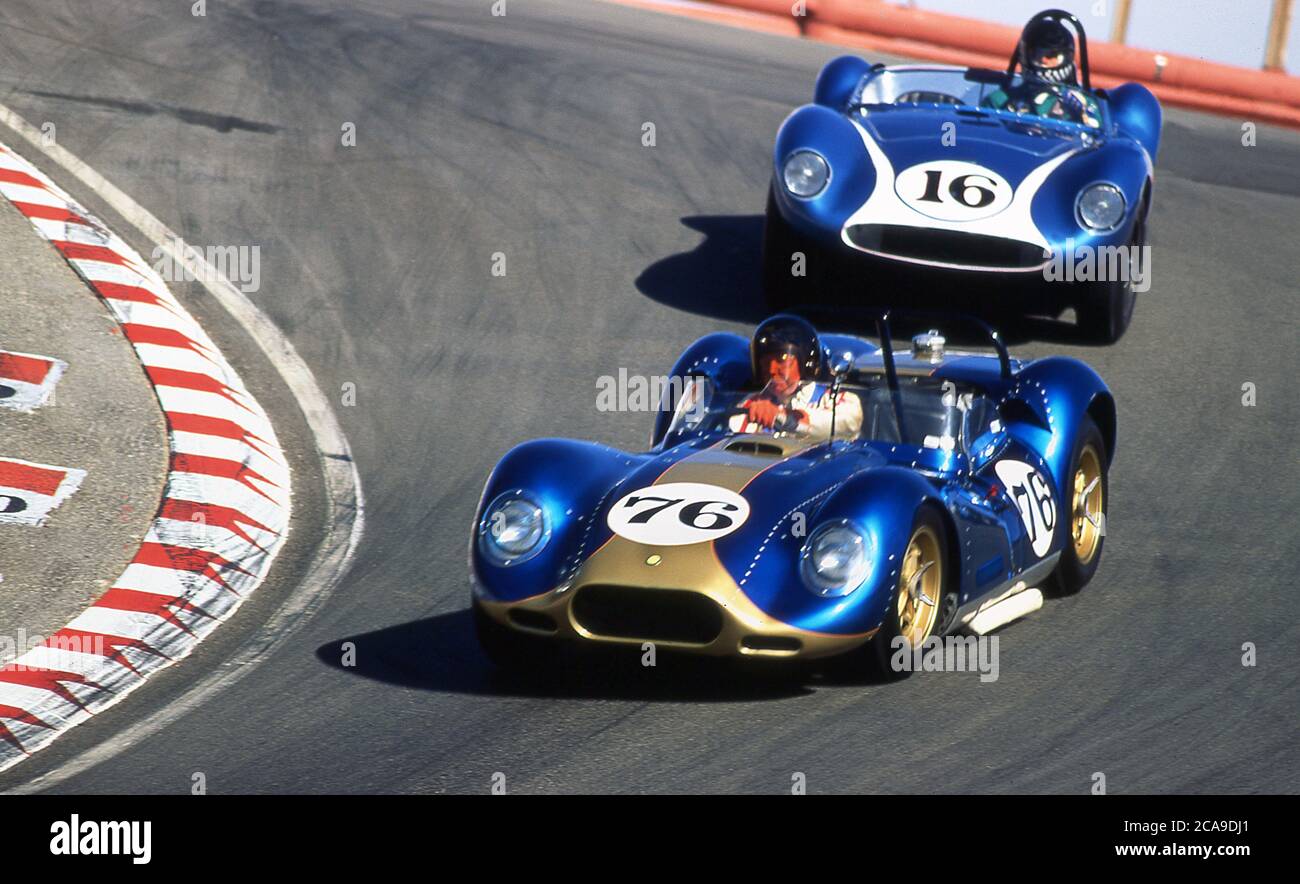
x,y
763,411
1073,103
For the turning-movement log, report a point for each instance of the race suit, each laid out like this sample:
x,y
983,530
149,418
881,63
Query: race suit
x,y
1052,100
807,413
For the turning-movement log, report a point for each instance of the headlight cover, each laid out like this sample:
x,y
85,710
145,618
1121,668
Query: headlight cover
x,y
1101,207
513,529
835,560
805,173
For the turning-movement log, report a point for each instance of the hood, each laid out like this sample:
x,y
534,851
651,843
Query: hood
x,y
757,481
1010,146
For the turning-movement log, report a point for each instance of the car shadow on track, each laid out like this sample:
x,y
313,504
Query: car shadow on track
x,y
441,654
721,278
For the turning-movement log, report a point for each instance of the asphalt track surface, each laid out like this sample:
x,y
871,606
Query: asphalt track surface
x,y
522,135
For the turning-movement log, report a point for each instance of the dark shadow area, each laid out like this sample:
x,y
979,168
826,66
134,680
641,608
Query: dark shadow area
x,y
721,278
441,654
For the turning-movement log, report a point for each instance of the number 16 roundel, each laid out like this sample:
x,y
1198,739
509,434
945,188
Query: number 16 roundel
x,y
677,514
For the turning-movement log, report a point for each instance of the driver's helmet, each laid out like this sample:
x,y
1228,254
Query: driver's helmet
x,y
786,335
1047,52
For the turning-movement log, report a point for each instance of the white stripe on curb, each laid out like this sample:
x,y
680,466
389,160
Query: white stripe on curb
x,y
232,493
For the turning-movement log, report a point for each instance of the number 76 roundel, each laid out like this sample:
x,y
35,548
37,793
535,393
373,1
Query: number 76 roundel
x,y
677,514
1029,490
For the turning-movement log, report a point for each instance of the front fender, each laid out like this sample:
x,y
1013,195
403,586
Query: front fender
x,y
1137,113
1121,163
566,478
883,504
838,79
853,177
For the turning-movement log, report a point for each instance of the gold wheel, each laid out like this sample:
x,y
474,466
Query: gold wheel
x,y
1087,506
920,590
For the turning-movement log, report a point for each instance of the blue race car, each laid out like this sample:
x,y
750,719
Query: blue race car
x,y
803,496
968,180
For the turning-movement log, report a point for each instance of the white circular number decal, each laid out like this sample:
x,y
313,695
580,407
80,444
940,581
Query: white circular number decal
x,y
678,513
951,190
1032,495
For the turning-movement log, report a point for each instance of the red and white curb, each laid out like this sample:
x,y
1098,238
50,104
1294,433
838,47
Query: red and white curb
x,y
226,503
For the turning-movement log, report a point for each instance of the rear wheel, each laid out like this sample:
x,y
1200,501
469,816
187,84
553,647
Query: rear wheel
x,y
1089,492
917,607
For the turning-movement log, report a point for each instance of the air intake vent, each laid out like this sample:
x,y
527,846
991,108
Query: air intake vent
x,y
752,446
667,615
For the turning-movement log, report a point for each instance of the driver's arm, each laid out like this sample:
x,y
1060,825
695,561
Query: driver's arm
x,y
848,417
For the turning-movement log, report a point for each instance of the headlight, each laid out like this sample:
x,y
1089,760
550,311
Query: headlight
x,y
805,174
513,529
1101,207
835,560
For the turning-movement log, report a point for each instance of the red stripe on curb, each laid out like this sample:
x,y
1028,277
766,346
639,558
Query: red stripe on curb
x,y
213,514
214,426
162,337
221,469
13,176
191,380
86,643
137,601
184,558
80,251
51,680
116,291
52,213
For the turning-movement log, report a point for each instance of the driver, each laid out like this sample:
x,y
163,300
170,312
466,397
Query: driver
x,y
786,357
1050,84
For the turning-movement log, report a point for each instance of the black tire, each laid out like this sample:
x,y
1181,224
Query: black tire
x,y
1106,308
880,650
1072,574
783,291
510,649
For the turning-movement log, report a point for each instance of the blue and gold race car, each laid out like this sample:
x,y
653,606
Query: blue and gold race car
x,y
803,496
1003,183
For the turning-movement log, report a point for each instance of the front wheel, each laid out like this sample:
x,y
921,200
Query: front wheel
x,y
917,607
1089,492
1106,308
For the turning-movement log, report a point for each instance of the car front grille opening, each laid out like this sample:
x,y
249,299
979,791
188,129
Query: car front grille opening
x,y
666,615
946,246
534,620
770,644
